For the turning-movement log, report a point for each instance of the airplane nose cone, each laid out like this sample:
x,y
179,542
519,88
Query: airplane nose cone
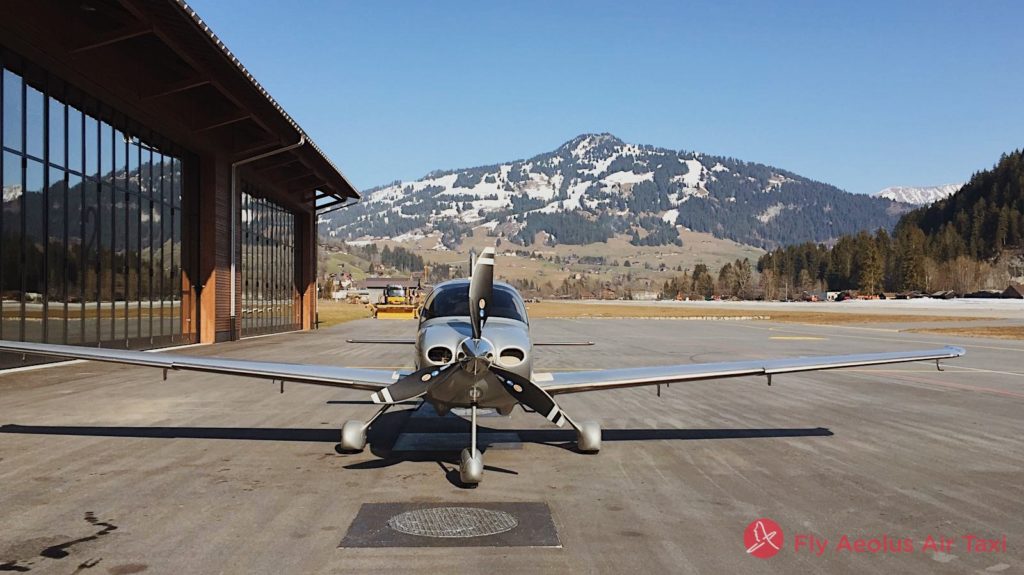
x,y
478,355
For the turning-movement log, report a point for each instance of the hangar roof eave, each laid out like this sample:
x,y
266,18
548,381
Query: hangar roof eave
x,y
334,192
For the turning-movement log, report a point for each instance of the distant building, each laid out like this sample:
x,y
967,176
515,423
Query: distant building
x,y
375,286
645,295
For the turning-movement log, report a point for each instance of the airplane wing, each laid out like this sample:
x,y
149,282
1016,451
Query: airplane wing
x,y
368,379
580,381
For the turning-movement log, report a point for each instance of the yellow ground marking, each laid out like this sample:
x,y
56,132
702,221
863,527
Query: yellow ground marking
x,y
797,337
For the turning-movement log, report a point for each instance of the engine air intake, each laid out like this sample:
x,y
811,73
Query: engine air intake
x,y
439,355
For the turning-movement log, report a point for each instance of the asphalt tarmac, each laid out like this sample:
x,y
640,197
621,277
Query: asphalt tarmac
x,y
108,469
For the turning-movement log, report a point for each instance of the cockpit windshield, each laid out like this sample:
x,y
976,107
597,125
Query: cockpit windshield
x,y
453,300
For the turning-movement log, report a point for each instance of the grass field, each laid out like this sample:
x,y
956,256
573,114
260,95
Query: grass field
x,y
332,312
696,248
338,262
551,309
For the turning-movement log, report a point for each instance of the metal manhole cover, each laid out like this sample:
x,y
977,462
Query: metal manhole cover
x,y
453,522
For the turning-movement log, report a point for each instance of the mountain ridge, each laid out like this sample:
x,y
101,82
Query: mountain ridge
x,y
595,186
918,195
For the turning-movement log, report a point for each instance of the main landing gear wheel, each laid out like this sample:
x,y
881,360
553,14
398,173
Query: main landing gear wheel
x,y
353,433
588,437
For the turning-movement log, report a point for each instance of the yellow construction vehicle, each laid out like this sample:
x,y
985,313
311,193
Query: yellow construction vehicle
x,y
397,302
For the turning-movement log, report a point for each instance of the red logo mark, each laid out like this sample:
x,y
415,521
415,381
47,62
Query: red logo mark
x,y
762,538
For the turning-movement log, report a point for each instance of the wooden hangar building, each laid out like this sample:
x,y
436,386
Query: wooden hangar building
x,y
154,193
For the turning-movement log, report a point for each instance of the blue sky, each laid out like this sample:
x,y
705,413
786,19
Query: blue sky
x,y
861,95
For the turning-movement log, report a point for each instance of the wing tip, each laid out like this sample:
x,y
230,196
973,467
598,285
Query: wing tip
x,y
956,350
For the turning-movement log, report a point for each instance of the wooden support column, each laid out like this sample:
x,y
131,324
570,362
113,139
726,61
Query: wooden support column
x,y
190,252
307,275
207,265
214,249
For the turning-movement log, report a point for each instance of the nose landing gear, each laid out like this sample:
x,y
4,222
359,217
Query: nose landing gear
x,y
471,462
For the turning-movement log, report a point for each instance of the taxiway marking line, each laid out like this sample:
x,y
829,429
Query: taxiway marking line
x,y
962,387
882,329
983,370
869,370
945,367
879,338
797,337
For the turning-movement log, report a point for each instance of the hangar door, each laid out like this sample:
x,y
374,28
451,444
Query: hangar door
x,y
268,267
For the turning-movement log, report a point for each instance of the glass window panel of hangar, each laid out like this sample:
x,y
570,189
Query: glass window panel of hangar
x,y
268,253
90,225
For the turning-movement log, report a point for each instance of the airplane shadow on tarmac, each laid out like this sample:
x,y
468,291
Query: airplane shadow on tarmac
x,y
385,431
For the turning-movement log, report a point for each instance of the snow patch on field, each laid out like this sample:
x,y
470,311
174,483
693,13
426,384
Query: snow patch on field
x,y
409,237
628,178
692,178
769,214
775,182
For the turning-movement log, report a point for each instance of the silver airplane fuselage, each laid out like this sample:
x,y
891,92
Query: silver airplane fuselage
x,y
442,339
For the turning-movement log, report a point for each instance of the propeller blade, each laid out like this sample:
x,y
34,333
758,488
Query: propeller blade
x,y
481,287
529,394
415,384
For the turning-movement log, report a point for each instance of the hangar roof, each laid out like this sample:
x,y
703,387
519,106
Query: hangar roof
x,y
163,67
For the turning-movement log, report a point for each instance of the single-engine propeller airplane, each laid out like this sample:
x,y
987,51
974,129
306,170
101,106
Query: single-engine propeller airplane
x,y
473,350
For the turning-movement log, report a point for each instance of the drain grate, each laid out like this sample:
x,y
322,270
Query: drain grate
x,y
453,522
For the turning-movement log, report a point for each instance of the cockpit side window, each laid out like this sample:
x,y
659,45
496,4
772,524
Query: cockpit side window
x,y
453,300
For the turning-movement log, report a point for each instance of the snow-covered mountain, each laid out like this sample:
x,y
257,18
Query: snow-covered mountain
x,y
595,186
921,196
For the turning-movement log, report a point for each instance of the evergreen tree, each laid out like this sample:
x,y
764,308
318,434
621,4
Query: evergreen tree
x,y
726,279
869,267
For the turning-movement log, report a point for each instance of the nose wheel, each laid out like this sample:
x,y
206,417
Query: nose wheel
x,y
471,462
